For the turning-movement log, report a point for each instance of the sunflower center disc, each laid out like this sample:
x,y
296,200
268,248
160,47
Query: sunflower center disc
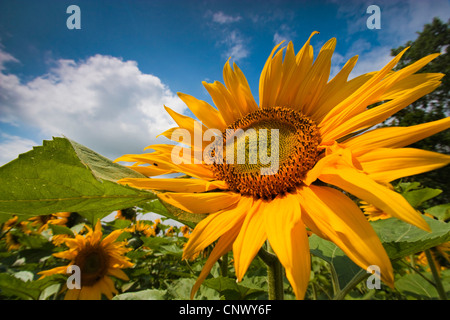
x,y
93,263
271,154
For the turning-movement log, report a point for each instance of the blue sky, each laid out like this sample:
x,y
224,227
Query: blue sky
x,y
105,84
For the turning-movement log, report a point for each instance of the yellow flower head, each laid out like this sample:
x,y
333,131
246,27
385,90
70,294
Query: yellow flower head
x,y
185,231
306,130
373,213
98,259
141,227
43,221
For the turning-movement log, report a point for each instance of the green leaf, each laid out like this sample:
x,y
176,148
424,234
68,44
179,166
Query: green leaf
x,y
401,239
418,197
149,294
231,290
180,289
56,229
416,286
345,269
14,286
62,175
442,211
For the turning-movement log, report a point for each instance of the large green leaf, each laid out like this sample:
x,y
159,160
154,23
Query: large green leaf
x,y
19,287
62,175
442,211
343,267
401,239
417,197
230,289
148,294
413,284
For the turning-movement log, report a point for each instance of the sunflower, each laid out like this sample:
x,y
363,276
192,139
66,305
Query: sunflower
x,y
373,213
325,150
43,221
142,228
98,259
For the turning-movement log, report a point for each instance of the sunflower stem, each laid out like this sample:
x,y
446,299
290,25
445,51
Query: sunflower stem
x,y
224,265
274,273
360,276
437,279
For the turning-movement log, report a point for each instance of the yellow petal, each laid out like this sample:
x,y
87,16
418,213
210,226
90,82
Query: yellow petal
x,y
375,115
72,294
338,217
111,237
352,103
118,273
204,112
222,247
280,81
201,202
174,185
90,293
151,171
250,239
107,287
239,89
315,81
287,236
223,101
57,270
214,225
395,137
394,85
335,91
386,165
365,188
266,82
195,128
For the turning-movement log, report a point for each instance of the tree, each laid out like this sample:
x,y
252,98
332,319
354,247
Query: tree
x,y
434,38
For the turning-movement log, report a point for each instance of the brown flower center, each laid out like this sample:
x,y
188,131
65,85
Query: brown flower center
x,y
268,152
93,262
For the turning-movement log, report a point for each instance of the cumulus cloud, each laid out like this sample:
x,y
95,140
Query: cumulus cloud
x,y
228,35
236,48
284,33
102,102
222,18
11,146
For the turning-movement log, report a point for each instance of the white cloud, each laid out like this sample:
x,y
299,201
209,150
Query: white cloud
x,y
222,18
12,146
103,102
235,44
284,33
372,60
400,20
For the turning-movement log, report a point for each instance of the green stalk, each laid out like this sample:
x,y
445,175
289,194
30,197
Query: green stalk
x,y
274,274
360,276
437,279
224,265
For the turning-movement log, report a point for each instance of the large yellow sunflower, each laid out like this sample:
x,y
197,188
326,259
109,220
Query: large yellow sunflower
x,y
319,125
98,259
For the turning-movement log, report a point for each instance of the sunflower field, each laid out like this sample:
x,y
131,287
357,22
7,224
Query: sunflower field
x,y
35,233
